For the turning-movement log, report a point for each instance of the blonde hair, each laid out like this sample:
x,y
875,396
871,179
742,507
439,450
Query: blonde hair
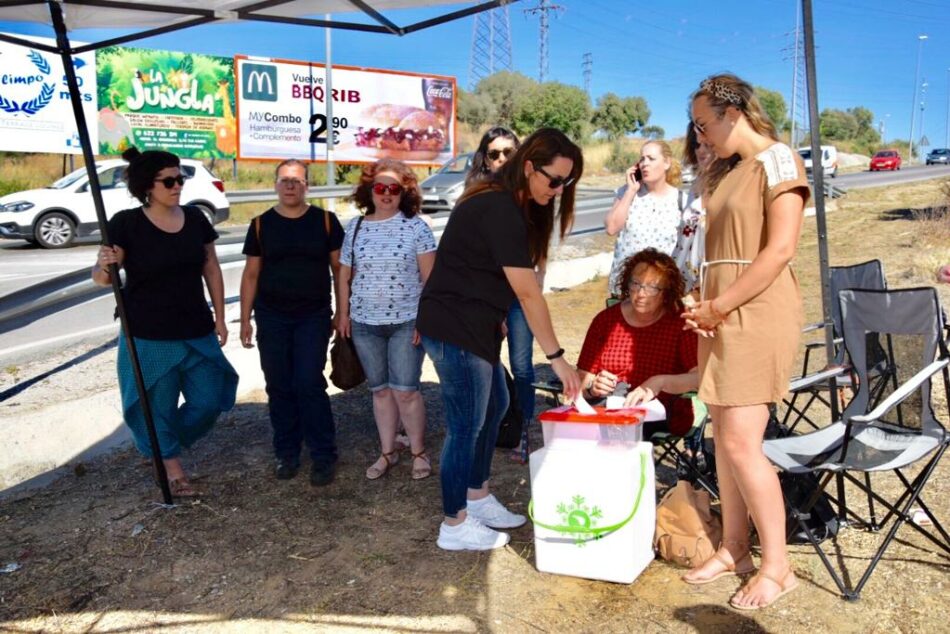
x,y
674,175
722,91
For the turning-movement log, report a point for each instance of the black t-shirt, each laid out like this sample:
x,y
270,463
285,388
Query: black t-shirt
x,y
164,290
295,266
467,295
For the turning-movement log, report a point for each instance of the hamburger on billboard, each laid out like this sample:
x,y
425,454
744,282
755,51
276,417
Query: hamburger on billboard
x,y
282,113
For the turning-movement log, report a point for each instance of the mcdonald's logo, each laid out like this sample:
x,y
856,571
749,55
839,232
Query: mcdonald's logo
x,y
259,82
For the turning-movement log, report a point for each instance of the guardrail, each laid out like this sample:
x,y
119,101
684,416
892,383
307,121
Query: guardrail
x,y
265,195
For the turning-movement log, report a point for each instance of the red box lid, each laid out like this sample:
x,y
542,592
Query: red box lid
x,y
603,416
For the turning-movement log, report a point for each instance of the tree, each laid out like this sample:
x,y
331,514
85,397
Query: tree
x,y
854,126
653,132
507,91
618,116
774,105
476,109
556,105
837,125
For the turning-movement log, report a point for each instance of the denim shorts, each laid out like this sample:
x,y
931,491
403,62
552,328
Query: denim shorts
x,y
389,359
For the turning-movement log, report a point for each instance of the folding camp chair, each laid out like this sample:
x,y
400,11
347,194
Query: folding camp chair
x,y
896,433
815,386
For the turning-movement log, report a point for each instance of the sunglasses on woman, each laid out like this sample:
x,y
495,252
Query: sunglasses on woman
x,y
556,181
381,189
497,154
171,181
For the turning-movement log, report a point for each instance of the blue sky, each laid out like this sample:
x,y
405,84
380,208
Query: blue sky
x,y
867,50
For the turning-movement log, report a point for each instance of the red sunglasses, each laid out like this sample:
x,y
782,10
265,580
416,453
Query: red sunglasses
x,y
381,189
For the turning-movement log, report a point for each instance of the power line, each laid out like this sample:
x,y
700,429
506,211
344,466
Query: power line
x,y
796,51
491,45
588,66
544,7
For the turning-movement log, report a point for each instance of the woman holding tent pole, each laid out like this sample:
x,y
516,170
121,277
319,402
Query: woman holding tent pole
x,y
749,319
168,255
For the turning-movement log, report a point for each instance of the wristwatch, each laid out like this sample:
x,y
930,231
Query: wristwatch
x,y
555,355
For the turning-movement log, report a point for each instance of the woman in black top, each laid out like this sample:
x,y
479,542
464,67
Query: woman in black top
x,y
497,233
167,250
291,249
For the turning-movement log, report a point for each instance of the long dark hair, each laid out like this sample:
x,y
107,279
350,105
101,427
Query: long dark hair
x,y
540,149
411,198
480,169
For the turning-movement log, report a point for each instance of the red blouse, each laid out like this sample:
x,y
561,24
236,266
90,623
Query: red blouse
x,y
636,354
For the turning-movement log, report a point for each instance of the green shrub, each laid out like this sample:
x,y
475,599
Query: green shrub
x,y
621,158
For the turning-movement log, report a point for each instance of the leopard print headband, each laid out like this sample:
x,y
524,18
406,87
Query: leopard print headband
x,y
721,91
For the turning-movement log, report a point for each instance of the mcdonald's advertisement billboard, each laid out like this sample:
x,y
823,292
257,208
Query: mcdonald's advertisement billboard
x,y
282,113
163,100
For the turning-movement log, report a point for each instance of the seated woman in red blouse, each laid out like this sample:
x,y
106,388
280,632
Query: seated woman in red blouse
x,y
641,342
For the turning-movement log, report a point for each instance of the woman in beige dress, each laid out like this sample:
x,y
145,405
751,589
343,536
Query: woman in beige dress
x,y
750,316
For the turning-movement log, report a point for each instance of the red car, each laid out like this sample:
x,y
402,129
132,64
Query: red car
x,y
886,160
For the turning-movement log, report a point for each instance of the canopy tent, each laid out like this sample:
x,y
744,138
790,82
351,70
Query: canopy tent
x,y
156,17
148,18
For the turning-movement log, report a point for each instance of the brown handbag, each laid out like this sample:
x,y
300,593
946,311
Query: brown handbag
x,y
346,370
687,533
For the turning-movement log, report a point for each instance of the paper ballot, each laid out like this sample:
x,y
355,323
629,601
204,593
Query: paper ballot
x,y
654,409
583,407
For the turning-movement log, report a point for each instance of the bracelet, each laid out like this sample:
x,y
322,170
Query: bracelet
x,y
555,355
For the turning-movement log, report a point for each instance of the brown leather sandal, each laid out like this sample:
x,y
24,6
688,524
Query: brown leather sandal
x,y
389,459
736,568
422,472
786,584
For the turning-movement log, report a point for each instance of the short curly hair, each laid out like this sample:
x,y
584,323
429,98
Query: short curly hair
x,y
673,285
409,203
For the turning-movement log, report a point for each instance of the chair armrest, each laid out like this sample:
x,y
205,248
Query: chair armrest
x,y
901,393
821,376
812,327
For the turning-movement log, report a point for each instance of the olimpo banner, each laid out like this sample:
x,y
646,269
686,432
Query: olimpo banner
x,y
35,110
282,110
162,100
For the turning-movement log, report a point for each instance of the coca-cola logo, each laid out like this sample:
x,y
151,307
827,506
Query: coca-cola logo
x,y
439,92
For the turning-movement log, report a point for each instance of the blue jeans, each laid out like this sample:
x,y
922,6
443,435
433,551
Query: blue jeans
x,y
293,354
520,342
475,398
387,355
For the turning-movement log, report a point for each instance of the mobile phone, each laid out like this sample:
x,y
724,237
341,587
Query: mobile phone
x,y
638,175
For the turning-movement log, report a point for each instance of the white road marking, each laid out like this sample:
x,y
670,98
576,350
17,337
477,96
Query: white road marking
x,y
52,340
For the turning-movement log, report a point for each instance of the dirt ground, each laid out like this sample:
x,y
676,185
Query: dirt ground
x,y
97,554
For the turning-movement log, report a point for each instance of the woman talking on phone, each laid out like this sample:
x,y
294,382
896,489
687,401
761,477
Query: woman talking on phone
x,y
496,235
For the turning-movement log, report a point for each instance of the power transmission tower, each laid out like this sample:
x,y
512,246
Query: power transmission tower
x,y
796,52
544,7
588,65
491,45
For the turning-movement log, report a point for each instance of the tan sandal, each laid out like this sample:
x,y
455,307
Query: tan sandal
x,y
422,472
788,583
733,569
389,459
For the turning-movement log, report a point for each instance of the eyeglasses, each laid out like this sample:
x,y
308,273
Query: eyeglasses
x,y
648,289
701,127
381,189
496,154
291,182
555,182
171,181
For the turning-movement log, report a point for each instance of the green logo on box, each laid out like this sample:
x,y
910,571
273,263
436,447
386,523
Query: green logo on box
x,y
259,82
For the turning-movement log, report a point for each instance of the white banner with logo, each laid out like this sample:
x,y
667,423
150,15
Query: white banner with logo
x,y
35,110
282,113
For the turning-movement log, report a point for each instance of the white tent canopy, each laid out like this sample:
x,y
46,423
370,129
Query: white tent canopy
x,y
155,17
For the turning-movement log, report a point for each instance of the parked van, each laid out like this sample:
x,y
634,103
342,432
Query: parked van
x,y
829,159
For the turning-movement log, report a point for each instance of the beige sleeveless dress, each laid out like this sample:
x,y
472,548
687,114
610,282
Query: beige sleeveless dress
x,y
749,361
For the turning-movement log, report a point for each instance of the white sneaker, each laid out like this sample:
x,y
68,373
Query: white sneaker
x,y
490,512
470,535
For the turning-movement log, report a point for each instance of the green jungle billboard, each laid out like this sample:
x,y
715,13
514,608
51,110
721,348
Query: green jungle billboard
x,y
160,100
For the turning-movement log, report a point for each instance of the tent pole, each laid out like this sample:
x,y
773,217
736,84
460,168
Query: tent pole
x,y
62,42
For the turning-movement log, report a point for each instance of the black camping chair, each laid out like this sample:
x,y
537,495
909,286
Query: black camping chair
x,y
815,385
899,431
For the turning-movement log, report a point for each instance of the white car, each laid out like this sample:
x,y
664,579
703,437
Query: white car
x,y
829,159
54,216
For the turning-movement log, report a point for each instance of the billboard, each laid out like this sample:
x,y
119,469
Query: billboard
x,y
35,110
162,100
282,105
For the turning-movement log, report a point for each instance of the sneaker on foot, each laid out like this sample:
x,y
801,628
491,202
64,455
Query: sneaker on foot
x,y
286,469
470,535
321,473
490,512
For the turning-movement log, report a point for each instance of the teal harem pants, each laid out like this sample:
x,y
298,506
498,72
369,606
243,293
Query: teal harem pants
x,y
195,368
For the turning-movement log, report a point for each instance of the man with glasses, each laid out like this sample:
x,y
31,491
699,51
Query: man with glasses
x,y
291,250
